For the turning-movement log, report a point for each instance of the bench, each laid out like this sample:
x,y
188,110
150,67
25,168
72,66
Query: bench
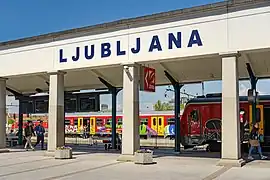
x,y
108,144
11,142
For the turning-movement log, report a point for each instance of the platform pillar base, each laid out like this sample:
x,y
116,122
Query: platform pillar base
x,y
126,158
231,162
49,153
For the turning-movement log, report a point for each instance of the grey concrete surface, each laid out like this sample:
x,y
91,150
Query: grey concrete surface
x,y
22,165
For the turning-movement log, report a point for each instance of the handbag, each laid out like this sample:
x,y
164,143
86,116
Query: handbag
x,y
254,143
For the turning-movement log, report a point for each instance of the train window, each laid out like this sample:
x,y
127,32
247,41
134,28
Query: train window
x,y
194,115
159,121
120,122
75,122
99,122
108,121
144,121
154,121
67,122
170,120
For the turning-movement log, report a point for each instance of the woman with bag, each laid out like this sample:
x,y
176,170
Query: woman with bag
x,y
254,141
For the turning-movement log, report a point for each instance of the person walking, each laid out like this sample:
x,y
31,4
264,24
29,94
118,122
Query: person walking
x,y
29,131
254,141
40,134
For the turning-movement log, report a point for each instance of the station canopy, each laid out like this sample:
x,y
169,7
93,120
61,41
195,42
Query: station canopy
x,y
188,69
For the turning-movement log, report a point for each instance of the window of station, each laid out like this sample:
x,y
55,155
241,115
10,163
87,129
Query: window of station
x,y
99,122
87,104
41,106
27,107
67,122
71,105
144,121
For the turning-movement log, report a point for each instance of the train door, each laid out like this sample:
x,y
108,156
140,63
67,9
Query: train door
x,y
92,125
86,123
259,117
161,126
154,124
157,124
80,125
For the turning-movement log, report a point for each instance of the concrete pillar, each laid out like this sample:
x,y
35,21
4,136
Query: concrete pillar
x,y
2,114
231,152
56,122
130,132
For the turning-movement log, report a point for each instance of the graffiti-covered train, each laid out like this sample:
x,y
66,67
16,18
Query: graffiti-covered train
x,y
154,123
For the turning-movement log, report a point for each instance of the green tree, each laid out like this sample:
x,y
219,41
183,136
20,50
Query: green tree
x,y
163,106
158,106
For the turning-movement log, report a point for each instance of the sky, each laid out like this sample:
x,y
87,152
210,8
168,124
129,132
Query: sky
x,y
28,18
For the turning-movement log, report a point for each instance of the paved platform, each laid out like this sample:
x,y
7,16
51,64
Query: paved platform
x,y
19,164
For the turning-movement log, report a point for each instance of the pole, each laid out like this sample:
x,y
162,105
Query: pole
x,y
20,124
177,116
114,94
253,87
203,88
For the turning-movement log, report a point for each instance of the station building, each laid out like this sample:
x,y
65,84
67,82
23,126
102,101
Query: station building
x,y
210,42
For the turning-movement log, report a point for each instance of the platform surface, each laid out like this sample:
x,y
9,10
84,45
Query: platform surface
x,y
19,164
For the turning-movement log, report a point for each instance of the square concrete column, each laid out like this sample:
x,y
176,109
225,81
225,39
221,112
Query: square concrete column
x,y
56,122
130,129
231,152
2,114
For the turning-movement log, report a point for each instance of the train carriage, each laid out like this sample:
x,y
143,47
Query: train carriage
x,y
201,120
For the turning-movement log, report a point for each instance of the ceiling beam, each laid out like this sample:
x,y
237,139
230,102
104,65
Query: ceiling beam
x,y
13,91
169,71
247,60
99,74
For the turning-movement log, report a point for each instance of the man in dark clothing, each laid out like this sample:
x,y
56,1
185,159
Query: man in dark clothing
x,y
29,131
40,134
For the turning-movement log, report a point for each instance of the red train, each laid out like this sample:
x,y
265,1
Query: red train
x,y
201,120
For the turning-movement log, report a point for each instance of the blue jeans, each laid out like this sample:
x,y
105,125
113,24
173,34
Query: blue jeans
x,y
252,148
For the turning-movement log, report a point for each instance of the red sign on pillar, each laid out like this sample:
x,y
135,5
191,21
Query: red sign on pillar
x,y
149,79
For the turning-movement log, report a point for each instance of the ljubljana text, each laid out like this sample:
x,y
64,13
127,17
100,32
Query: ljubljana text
x,y
88,52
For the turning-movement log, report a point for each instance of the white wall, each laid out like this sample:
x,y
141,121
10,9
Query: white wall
x,y
244,30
